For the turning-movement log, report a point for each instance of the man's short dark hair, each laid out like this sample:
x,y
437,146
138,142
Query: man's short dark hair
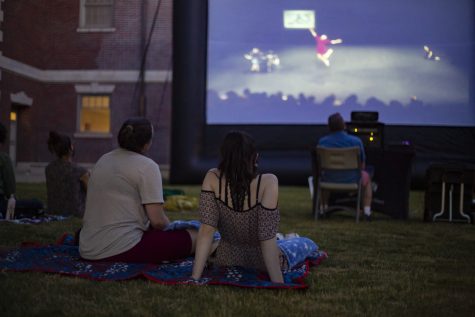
x,y
336,122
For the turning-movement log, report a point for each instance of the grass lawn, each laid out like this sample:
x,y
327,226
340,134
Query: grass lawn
x,y
382,268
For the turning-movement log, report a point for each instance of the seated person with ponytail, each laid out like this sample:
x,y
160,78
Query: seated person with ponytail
x,y
124,217
66,182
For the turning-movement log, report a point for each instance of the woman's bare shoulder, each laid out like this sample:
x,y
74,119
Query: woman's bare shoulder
x,y
269,182
210,180
214,170
269,190
269,178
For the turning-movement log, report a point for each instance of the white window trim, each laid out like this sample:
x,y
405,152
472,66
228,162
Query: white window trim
x,y
82,22
94,88
21,98
95,30
92,135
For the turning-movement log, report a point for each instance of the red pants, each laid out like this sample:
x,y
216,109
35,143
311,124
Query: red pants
x,y
157,246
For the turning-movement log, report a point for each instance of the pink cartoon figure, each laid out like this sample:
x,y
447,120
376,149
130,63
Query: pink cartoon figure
x,y
323,52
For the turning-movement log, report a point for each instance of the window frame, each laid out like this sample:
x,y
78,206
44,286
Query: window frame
x,y
84,28
93,89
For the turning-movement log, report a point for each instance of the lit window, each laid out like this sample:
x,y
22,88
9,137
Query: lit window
x,y
98,14
94,113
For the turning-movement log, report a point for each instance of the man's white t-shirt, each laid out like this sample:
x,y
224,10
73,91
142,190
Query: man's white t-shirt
x,y
121,183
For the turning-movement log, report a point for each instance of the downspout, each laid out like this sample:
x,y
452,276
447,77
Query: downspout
x,y
143,34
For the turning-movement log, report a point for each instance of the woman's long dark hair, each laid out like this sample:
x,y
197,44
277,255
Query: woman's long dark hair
x,y
238,165
59,144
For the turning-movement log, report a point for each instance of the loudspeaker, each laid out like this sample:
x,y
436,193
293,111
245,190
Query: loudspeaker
x,y
365,116
371,133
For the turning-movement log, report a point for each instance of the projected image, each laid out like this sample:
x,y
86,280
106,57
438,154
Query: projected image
x,y
296,62
323,52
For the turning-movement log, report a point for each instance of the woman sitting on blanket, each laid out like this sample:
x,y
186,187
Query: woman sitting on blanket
x,y
66,182
124,217
242,205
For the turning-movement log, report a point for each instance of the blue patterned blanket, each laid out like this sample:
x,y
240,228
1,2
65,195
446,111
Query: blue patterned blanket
x,y
296,249
63,258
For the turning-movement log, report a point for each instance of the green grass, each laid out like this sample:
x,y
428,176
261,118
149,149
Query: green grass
x,y
382,268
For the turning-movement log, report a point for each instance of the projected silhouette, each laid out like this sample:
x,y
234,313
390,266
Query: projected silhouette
x,y
255,56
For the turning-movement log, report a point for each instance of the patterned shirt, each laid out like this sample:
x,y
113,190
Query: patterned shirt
x,y
66,193
241,232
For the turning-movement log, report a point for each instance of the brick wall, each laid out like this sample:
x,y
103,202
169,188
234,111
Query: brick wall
x,y
43,34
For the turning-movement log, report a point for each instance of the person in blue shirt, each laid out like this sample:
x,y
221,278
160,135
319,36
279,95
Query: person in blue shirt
x,y
339,138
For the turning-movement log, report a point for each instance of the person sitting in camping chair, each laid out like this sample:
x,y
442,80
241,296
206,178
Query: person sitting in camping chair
x,y
339,138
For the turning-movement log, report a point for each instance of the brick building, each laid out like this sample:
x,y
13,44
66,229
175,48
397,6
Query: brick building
x,y
78,67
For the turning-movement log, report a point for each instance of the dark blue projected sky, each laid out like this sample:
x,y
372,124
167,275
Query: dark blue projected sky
x,y
410,60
